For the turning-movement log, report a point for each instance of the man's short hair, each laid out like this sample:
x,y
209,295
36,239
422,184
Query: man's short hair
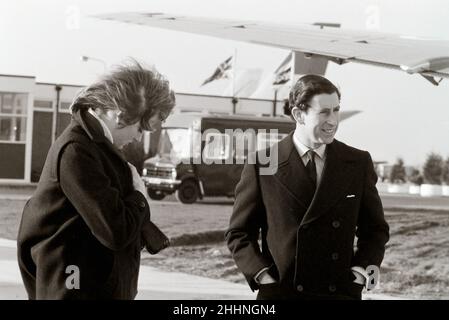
x,y
308,86
139,94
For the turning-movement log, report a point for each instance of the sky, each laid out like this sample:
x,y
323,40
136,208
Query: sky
x,y
402,115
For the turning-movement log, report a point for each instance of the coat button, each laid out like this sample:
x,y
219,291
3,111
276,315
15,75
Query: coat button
x,y
336,224
142,204
305,226
300,288
332,288
335,256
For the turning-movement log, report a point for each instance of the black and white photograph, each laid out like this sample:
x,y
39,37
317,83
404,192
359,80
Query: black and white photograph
x,y
252,151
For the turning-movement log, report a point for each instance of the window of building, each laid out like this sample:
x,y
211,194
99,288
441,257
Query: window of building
x,y
65,105
43,104
13,116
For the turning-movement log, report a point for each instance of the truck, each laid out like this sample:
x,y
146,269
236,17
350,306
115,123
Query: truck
x,y
202,155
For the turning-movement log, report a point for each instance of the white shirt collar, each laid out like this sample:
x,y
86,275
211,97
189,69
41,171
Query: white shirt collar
x,y
106,130
302,148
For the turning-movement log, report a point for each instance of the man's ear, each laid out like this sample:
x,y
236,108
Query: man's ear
x,y
298,115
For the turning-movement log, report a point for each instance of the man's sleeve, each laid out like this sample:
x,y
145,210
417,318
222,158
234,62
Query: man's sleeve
x,y
247,218
372,229
113,220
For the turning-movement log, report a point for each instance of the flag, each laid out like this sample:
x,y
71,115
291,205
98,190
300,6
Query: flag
x,y
282,73
245,83
221,71
282,77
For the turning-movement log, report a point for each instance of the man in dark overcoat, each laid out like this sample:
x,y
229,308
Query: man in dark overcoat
x,y
307,213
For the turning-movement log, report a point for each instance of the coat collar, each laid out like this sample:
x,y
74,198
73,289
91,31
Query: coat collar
x,y
303,149
291,172
336,179
106,130
94,130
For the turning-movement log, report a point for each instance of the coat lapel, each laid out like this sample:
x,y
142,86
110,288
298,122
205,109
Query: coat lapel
x,y
291,172
335,180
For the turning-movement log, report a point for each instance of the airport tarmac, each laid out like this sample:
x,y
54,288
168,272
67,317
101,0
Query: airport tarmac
x,y
153,284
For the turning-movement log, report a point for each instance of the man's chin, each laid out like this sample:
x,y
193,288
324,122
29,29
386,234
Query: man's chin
x,y
328,140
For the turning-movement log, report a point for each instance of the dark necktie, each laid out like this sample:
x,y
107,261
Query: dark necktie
x,y
311,168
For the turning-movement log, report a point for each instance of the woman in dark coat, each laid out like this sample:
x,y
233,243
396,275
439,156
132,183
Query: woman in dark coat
x,y
80,234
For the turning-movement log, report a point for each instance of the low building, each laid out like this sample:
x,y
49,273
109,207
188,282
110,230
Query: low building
x,y
33,114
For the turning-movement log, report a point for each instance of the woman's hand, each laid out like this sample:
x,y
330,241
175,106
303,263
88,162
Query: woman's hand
x,y
138,183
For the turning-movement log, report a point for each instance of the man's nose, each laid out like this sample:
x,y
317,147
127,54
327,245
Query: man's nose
x,y
333,118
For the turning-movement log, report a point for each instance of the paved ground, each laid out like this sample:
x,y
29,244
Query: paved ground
x,y
153,284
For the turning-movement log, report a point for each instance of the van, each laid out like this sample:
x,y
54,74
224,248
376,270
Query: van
x,y
201,155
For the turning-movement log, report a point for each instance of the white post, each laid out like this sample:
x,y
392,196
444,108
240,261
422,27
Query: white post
x,y
234,69
234,75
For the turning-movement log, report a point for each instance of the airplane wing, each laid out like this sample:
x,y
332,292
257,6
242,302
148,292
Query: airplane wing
x,y
429,58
